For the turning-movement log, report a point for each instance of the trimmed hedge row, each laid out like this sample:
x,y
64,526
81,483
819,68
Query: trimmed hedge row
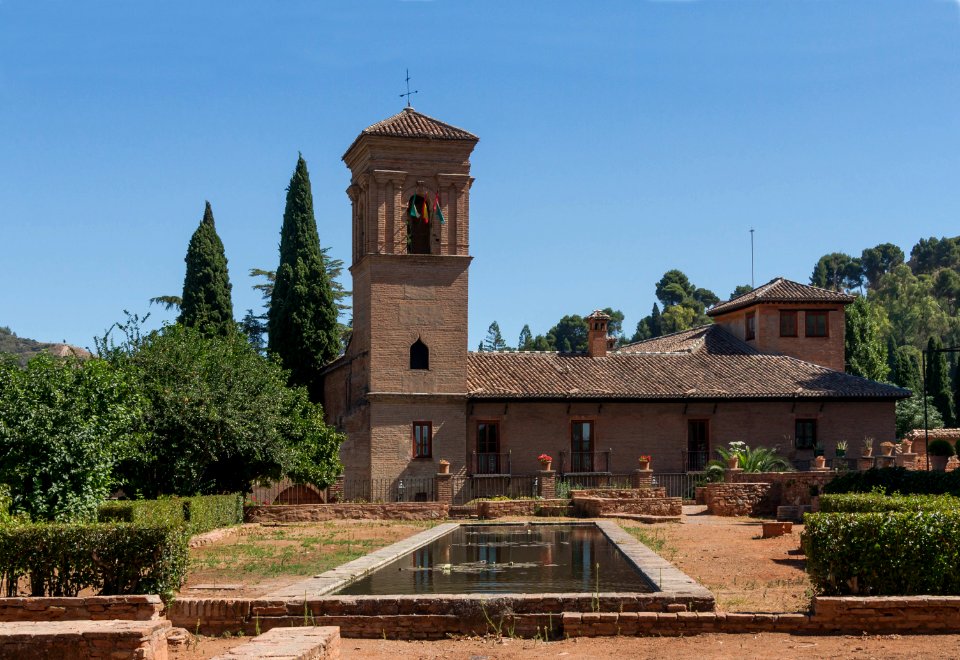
x,y
110,558
200,514
877,502
883,554
897,480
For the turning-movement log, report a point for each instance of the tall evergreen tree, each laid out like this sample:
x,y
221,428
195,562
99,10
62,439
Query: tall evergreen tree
x,y
656,322
938,381
205,303
906,368
494,340
865,348
302,320
525,343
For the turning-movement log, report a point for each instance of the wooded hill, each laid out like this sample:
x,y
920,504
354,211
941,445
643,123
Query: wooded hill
x,y
25,348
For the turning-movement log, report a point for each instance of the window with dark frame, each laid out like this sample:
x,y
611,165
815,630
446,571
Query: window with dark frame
x,y
750,326
806,434
422,439
581,446
788,323
816,324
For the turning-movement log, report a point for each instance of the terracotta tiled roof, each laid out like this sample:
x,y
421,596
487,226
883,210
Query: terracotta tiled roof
x,y
409,123
710,338
781,290
707,366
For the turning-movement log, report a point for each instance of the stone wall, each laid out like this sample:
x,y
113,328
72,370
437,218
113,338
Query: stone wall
x,y
738,499
624,493
342,511
596,507
143,640
787,488
131,608
490,509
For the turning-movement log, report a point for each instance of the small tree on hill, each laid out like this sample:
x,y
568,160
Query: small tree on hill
x,y
302,320
205,303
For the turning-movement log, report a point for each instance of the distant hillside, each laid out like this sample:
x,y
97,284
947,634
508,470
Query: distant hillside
x,y
25,348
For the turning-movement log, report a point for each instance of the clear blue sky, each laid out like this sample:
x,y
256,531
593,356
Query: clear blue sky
x,y
617,140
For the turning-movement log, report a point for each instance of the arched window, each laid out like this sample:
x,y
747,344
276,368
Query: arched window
x,y
419,355
418,226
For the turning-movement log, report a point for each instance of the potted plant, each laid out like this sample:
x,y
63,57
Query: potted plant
x,y
939,452
546,461
886,448
906,446
644,461
819,461
444,466
841,448
733,461
867,447
818,449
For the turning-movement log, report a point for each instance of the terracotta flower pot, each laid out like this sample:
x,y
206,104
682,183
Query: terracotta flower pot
x,y
546,465
644,465
733,462
907,446
939,463
444,467
886,448
867,452
819,462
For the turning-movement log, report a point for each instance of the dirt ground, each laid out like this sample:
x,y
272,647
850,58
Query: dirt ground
x,y
745,573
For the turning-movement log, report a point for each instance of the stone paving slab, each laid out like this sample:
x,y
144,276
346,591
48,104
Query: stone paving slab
x,y
335,578
310,643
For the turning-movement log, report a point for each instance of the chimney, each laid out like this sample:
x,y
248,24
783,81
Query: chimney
x,y
597,334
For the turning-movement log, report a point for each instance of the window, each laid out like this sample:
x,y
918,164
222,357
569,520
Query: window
x,y
422,439
788,323
806,433
581,446
816,324
750,326
419,355
488,449
418,226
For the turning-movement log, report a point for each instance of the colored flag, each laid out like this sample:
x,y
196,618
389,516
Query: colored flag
x,y
413,207
437,211
426,211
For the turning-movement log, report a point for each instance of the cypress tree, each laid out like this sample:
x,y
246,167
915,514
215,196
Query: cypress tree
x,y
865,350
206,303
656,322
906,368
938,382
302,320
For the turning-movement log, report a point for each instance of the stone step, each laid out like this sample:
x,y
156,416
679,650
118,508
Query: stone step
x,y
53,640
309,643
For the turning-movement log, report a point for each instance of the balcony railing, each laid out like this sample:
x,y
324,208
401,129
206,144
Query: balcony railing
x,y
695,461
584,461
486,463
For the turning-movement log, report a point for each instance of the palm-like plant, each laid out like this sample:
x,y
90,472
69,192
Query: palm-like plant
x,y
758,459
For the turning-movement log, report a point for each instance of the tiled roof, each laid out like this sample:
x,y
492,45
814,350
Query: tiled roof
x,y
708,365
781,290
710,338
409,123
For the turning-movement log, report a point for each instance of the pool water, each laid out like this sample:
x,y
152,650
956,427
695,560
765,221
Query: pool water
x,y
486,559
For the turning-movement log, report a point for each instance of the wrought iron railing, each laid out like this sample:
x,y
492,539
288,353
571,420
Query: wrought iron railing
x,y
680,484
695,461
488,463
584,461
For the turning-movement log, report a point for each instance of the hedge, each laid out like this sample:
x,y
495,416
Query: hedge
x,y
877,502
109,558
883,554
897,480
200,514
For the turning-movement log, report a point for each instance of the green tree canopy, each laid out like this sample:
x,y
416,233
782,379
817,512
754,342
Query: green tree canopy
x,y
740,290
880,260
206,303
494,341
938,381
525,342
64,425
569,335
931,254
674,288
906,368
837,271
864,340
302,319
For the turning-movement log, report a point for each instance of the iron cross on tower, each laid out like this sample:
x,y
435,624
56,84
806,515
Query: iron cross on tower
x,y
409,93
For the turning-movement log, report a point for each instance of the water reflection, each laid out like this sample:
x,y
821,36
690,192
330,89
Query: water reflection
x,y
507,559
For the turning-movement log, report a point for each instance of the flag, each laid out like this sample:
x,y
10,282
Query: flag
x,y
437,211
413,207
426,211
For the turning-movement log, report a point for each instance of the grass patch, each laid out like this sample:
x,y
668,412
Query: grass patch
x,y
655,539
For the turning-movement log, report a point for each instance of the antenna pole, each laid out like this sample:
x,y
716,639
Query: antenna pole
x,y
409,93
751,258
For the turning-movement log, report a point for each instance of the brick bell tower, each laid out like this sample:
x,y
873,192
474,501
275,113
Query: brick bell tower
x,y
400,390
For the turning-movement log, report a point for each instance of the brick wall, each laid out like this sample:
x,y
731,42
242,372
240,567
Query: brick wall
x,y
131,608
595,507
624,493
348,511
144,640
490,509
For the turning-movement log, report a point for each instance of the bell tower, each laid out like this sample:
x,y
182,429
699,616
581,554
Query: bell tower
x,y
405,396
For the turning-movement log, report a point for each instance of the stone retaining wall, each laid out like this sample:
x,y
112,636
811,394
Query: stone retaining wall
x,y
490,509
786,488
342,511
737,499
596,507
831,615
622,493
53,640
95,608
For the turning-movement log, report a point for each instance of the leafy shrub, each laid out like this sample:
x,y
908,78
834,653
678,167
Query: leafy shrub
x,y
61,559
889,553
940,447
168,511
897,480
758,459
206,512
877,502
